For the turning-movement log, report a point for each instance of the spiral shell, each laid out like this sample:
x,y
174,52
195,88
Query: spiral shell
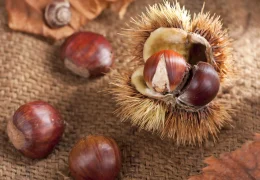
x,y
57,13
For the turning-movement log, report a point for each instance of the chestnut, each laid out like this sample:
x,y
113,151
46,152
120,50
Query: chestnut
x,y
95,158
165,71
35,129
87,54
202,87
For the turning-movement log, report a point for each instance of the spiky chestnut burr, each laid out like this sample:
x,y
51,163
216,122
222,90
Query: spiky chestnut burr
x,y
202,39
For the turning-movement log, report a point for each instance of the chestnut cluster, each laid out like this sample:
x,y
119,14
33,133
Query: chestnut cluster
x,y
37,127
166,73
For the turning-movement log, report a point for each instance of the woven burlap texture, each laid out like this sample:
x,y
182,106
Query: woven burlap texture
x,y
31,70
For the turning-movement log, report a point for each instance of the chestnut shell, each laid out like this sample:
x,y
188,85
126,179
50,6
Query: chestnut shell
x,y
203,86
95,158
35,129
89,52
176,68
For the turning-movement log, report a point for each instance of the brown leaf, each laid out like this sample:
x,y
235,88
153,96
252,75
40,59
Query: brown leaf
x,y
120,7
28,15
243,163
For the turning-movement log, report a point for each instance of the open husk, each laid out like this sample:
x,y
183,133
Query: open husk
x,y
157,116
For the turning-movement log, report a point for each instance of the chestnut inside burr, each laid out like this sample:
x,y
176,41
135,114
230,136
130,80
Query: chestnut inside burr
x,y
201,88
197,54
199,84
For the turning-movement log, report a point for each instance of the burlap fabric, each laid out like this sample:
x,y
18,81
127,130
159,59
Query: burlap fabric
x,y
31,69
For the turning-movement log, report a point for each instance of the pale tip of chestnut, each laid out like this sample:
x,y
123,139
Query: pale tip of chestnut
x,y
15,136
81,71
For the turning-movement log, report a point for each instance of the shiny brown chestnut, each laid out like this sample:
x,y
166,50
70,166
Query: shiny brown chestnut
x,y
165,71
87,54
35,129
95,158
201,88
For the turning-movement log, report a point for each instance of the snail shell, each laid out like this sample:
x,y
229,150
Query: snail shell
x,y
57,13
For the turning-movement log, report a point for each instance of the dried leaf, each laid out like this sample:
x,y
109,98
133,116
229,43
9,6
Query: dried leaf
x,y
120,7
243,163
28,15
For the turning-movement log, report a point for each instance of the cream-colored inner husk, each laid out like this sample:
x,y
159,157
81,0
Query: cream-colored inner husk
x,y
137,80
175,39
164,39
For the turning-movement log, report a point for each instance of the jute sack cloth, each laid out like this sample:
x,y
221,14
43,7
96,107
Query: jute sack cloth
x,y
30,69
